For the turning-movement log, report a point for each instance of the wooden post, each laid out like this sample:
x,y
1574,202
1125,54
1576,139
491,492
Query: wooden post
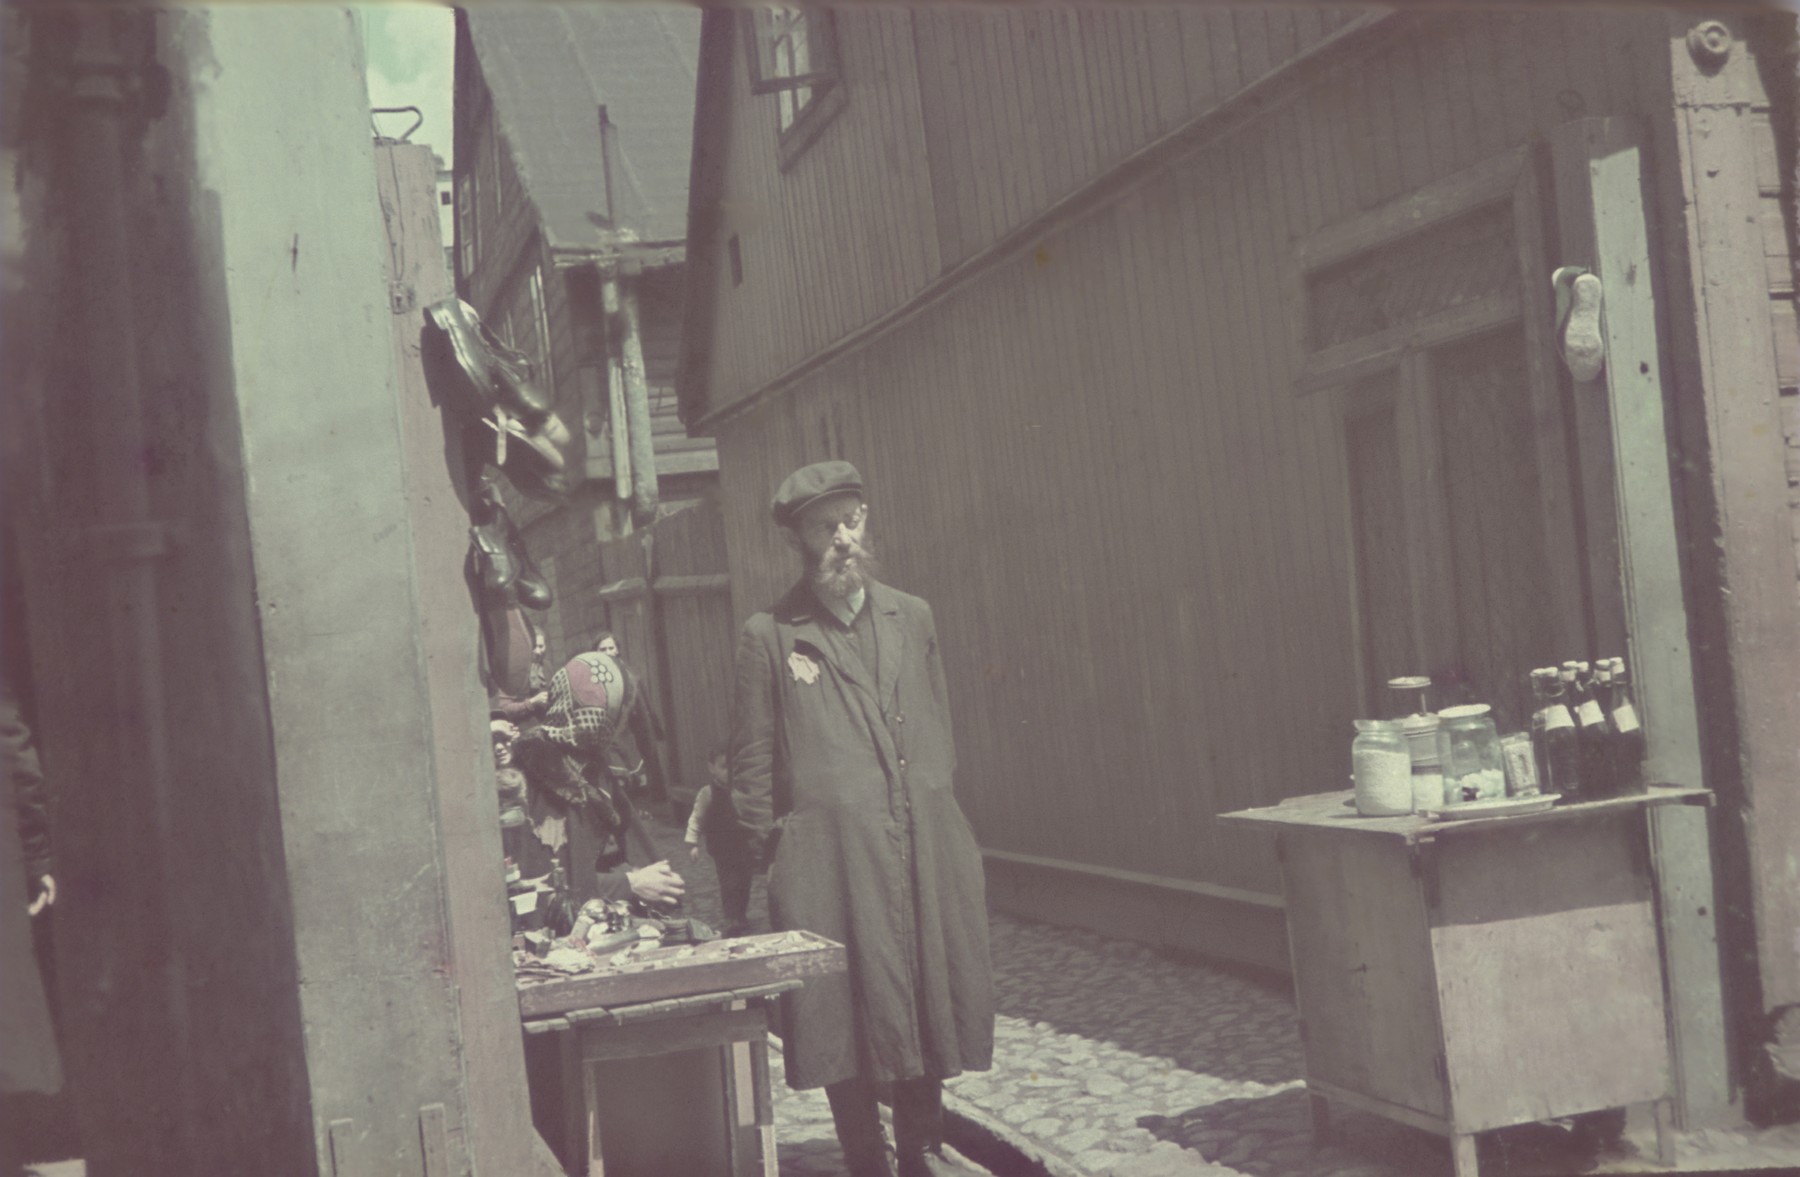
x,y
621,302
1749,659
1635,565
617,415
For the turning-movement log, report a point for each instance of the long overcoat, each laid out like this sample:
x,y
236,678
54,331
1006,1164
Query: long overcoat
x,y
842,785
28,1055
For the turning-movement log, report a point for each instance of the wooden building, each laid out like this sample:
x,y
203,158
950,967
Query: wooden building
x,y
571,174
1202,364
573,131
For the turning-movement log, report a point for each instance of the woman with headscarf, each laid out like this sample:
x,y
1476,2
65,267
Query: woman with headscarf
x,y
593,700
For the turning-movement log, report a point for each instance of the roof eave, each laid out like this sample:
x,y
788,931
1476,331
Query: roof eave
x,y
706,179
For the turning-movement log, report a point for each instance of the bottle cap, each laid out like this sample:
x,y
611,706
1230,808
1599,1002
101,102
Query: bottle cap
x,y
1411,682
1464,711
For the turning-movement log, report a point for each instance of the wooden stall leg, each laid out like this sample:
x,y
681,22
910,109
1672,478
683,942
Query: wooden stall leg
x,y
1462,1155
590,1085
571,1088
1319,1109
765,1106
1664,1111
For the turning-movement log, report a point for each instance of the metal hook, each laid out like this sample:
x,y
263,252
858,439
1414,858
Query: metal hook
x,y
418,119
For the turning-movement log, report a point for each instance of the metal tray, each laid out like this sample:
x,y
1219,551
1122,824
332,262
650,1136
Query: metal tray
x,y
684,970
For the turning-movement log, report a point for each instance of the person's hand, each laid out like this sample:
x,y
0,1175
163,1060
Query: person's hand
x,y
541,699
656,883
46,894
505,729
694,853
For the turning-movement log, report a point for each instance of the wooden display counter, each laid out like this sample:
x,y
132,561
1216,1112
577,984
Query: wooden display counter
x,y
1461,976
661,1065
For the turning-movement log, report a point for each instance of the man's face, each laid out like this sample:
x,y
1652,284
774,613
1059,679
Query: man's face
x,y
609,647
716,766
833,534
537,646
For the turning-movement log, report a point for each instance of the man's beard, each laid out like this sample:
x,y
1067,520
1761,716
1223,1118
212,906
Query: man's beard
x,y
838,575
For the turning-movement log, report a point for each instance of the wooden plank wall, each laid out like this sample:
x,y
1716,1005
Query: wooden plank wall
x,y
1092,462
505,220
959,126
698,639
1779,271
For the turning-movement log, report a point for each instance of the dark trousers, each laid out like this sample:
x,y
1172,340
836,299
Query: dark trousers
x,y
918,1121
734,891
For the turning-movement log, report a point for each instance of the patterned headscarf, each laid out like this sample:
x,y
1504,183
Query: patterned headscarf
x,y
565,755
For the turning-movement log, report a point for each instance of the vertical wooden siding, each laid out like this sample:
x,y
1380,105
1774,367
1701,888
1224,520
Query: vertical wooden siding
x,y
1779,272
1092,462
504,219
959,126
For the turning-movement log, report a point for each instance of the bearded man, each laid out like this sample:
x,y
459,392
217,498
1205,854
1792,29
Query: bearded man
x,y
841,766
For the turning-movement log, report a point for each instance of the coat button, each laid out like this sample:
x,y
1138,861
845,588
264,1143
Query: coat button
x,y
899,719
903,762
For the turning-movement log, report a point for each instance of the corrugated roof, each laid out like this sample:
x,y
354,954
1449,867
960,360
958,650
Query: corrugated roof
x,y
551,67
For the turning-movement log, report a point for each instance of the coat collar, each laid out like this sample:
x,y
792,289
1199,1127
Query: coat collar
x,y
814,624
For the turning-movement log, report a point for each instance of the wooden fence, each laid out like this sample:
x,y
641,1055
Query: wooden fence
x,y
667,599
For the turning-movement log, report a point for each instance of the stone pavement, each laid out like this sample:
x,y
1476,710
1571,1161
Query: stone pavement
x,y
1113,1059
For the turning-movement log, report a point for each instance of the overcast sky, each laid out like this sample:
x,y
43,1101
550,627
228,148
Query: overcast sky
x,y
409,48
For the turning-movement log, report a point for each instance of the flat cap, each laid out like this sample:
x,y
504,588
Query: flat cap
x,y
809,484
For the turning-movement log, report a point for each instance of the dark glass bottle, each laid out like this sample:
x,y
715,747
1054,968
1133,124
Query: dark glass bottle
x,y
1590,732
1627,733
1553,739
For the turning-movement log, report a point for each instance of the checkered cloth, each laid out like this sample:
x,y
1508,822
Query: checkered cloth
x,y
565,756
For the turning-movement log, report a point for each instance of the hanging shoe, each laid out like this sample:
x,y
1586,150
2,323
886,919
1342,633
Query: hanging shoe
x,y
495,569
481,372
529,587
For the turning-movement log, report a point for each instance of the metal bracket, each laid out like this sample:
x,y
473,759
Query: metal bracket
x,y
1583,347
1709,44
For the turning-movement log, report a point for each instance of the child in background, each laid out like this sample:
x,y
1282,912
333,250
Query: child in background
x,y
711,819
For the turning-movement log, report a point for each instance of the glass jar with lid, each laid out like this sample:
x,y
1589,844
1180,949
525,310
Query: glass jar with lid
x,y
1381,769
1473,768
1427,745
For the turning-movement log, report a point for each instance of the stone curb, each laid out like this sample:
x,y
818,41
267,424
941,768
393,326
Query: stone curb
x,y
998,1146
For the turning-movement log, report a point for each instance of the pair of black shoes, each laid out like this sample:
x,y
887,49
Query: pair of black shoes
x,y
488,385
500,565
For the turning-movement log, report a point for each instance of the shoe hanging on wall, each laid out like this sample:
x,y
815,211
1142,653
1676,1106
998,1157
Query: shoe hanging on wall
x,y
478,372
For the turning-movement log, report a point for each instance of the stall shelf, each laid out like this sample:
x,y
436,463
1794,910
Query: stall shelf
x,y
1463,976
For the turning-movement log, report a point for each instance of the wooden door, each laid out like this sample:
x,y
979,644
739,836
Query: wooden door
x,y
1428,322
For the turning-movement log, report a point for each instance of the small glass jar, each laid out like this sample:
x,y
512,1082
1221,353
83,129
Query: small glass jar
x,y
1381,768
1473,769
1409,695
1428,747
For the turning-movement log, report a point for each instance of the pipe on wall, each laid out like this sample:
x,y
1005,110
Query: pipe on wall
x,y
104,527
619,299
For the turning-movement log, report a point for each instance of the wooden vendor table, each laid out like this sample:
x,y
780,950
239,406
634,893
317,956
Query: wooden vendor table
x,y
665,1071
1461,976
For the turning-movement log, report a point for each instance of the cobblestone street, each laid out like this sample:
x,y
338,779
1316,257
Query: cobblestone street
x,y
1114,1060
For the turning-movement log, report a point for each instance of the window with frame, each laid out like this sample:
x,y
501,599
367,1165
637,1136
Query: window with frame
x,y
793,55
541,332
465,223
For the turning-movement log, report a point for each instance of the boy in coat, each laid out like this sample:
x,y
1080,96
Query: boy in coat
x,y
841,771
